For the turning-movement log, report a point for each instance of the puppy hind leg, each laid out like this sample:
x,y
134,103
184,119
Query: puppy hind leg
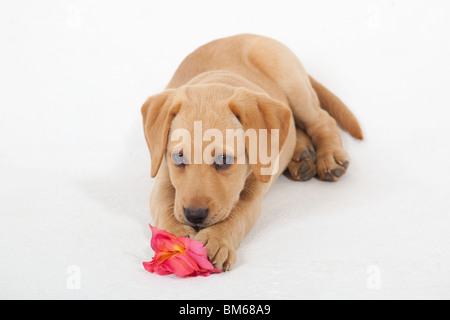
x,y
332,160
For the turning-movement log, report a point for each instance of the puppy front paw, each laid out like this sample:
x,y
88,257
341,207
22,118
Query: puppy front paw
x,y
220,251
179,230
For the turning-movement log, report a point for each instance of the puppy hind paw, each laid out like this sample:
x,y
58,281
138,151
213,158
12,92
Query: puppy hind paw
x,y
303,165
332,166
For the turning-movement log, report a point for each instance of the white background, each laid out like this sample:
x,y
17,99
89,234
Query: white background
x,y
75,170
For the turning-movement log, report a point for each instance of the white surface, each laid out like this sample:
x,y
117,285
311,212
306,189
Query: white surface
x,y
75,179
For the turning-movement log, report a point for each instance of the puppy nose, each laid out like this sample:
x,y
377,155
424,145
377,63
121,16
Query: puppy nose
x,y
196,216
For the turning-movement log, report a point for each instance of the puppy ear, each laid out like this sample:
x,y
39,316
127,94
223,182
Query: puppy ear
x,y
258,112
157,113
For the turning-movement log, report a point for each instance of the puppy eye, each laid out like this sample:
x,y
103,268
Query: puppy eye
x,y
223,162
179,160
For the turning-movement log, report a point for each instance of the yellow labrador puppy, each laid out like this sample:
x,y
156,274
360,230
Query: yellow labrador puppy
x,y
237,114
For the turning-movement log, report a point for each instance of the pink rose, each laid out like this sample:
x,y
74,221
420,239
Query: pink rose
x,y
182,256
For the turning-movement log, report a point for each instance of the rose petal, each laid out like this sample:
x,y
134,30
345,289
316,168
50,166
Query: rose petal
x,y
201,261
159,269
164,241
181,265
197,251
193,245
158,265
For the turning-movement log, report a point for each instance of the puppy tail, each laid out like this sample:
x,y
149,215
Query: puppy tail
x,y
337,109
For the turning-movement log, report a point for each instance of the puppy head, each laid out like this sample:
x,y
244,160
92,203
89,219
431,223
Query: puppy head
x,y
204,133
